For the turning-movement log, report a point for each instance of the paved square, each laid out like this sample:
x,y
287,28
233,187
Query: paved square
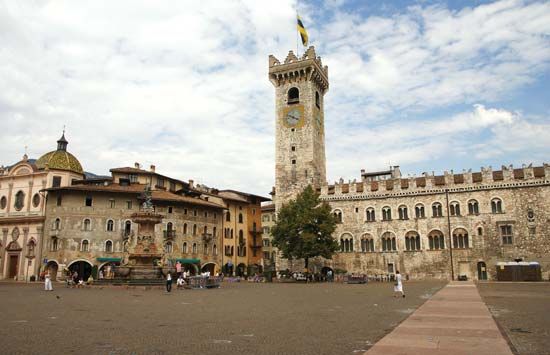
x,y
239,318
523,312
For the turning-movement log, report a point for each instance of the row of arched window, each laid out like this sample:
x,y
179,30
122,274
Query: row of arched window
x,y
419,210
411,242
240,218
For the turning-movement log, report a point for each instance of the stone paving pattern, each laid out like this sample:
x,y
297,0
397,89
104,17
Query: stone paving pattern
x,y
454,321
239,318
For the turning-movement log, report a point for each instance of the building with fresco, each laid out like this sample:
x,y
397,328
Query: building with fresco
x,y
426,226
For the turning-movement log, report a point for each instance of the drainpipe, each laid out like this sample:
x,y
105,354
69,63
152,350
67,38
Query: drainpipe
x,y
450,237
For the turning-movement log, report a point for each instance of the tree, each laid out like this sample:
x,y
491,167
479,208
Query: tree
x,y
304,228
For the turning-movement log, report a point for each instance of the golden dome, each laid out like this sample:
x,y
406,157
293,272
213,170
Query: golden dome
x,y
60,159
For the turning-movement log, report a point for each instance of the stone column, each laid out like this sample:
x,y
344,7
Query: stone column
x,y
23,260
3,248
10,190
29,197
39,246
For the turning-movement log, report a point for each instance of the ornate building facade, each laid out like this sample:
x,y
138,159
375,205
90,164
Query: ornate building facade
x,y
22,207
435,226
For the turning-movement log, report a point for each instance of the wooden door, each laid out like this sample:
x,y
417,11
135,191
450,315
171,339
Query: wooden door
x,y
14,262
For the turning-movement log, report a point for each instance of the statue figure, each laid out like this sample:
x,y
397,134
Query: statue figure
x,y
147,205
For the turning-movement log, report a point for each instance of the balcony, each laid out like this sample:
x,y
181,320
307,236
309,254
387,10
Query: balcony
x,y
169,234
207,237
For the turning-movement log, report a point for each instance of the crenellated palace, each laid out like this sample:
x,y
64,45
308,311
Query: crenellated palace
x,y
428,226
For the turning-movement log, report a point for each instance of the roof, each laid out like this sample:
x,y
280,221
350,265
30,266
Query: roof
x,y
59,160
137,189
270,207
261,198
130,170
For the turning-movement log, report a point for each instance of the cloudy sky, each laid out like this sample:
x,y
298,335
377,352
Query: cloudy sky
x,y
427,85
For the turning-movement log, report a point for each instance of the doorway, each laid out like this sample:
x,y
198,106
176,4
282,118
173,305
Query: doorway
x,y
481,271
83,268
13,268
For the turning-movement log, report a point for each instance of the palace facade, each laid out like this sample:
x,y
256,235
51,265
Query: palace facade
x,y
430,226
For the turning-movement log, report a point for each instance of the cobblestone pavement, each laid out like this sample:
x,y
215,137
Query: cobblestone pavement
x,y
522,310
239,318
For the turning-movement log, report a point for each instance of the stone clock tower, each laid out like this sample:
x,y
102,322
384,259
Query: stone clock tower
x,y
300,85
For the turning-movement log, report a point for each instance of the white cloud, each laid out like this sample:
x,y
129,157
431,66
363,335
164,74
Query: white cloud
x,y
184,85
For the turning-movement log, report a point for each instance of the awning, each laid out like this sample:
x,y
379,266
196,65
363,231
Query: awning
x,y
114,260
186,261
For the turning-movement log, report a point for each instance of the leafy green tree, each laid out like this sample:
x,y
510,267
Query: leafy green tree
x,y
304,228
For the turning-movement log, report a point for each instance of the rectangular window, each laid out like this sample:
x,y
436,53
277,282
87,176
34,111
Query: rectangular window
x,y
59,200
129,205
112,203
169,209
56,182
266,255
506,234
172,186
88,202
266,242
133,178
185,211
160,182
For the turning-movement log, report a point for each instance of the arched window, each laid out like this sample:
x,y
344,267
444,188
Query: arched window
x,y
85,245
194,248
214,232
168,247
228,217
436,240
386,213
184,248
419,211
454,208
57,224
169,226
388,242
473,207
437,210
346,243
127,228
317,99
3,202
403,212
371,217
185,228
460,239
205,230
496,205
19,200
87,224
194,229
36,200
110,225
367,244
108,246
293,95
412,241
205,249
338,215
240,218
214,250
479,231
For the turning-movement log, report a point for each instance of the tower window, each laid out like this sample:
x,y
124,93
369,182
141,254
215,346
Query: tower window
x,y
293,96
293,148
293,161
317,100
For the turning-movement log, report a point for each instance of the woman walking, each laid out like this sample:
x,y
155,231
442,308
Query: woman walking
x,y
398,287
48,281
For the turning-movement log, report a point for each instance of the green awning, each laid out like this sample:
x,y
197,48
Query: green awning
x,y
115,260
187,261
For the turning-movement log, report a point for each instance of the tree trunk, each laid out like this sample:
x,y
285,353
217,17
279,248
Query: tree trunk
x,y
306,263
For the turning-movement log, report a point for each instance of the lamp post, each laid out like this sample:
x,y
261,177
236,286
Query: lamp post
x,y
450,237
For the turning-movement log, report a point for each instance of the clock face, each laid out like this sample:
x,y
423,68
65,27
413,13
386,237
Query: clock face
x,y
293,117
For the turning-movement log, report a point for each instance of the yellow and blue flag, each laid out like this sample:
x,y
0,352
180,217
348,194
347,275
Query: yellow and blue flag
x,y
302,31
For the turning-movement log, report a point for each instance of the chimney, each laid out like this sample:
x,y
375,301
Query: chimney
x,y
152,168
136,165
191,183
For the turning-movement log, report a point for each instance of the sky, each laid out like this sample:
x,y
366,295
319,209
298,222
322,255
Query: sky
x,y
426,85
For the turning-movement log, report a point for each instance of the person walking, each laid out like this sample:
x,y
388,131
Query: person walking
x,y
168,282
398,287
48,281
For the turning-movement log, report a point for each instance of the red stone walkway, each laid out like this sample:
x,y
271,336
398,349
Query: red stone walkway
x,y
454,321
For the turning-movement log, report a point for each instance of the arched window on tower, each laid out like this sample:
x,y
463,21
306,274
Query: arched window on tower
x,y
293,95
